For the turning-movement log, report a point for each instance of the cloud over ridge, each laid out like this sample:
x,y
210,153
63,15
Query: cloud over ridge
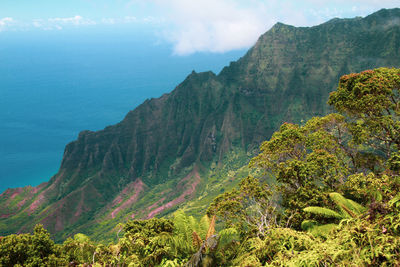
x,y
215,26
224,25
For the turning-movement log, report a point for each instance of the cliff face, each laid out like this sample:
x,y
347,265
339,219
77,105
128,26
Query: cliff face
x,y
286,76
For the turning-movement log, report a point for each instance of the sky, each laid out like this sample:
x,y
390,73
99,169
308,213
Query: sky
x,y
190,26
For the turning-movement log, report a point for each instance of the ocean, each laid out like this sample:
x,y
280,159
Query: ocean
x,y
54,84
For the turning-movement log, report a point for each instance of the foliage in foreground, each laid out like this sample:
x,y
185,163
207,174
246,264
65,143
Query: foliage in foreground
x,y
335,200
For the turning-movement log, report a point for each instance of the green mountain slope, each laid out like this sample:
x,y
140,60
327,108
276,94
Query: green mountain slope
x,y
184,145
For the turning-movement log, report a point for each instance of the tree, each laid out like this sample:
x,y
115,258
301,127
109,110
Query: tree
x,y
249,209
79,249
35,249
307,161
145,242
371,102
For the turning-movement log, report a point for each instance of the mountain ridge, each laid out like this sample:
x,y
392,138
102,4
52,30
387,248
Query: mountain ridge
x,y
286,76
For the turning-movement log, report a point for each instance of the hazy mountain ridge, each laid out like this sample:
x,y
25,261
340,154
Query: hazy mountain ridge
x,y
286,76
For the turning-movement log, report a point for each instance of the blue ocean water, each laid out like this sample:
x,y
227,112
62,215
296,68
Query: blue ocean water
x,y
55,84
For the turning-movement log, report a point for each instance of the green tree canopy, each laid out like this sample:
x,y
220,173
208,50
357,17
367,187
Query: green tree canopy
x,y
371,102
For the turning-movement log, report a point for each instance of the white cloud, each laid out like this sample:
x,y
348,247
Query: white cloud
x,y
4,22
376,3
126,19
215,26
60,23
130,19
110,21
37,23
322,10
76,20
223,25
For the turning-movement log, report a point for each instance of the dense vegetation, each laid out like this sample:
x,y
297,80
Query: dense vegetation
x,y
172,152
333,199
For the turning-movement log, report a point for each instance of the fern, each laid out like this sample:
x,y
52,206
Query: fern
x,y
203,226
196,240
212,242
323,230
357,208
211,228
308,224
189,233
228,235
395,201
324,212
170,263
182,241
348,207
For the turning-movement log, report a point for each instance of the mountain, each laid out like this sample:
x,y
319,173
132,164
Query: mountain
x,y
179,150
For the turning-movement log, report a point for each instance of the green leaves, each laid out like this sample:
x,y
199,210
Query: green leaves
x,y
306,161
146,241
188,234
319,167
347,209
248,209
347,206
369,93
79,249
323,212
35,249
395,201
371,100
312,153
